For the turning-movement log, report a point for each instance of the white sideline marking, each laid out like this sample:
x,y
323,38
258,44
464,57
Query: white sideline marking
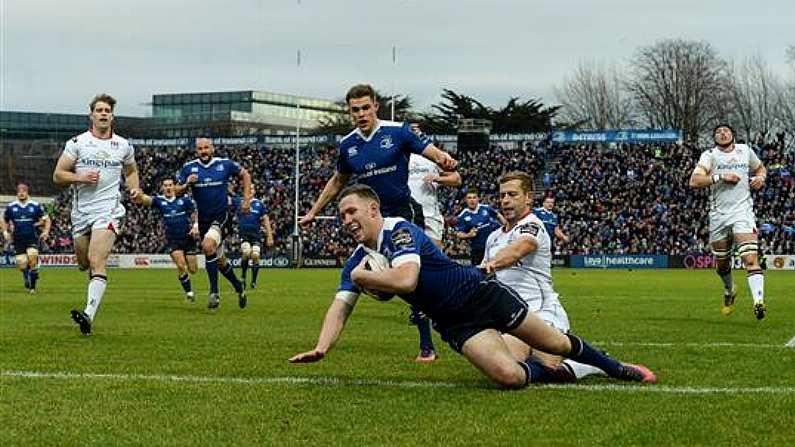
x,y
791,343
690,345
294,380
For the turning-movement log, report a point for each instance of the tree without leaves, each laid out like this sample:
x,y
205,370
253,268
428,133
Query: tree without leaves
x,y
679,84
754,91
594,98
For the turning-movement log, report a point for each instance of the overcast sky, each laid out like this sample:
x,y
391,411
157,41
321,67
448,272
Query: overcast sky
x,y
57,54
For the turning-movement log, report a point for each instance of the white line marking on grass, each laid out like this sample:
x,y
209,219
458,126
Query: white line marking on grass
x,y
791,343
332,381
688,345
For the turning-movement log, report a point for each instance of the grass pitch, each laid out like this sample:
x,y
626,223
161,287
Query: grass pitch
x,y
160,371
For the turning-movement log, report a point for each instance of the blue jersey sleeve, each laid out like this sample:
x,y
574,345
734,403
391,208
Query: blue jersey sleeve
x,y
39,213
346,284
405,241
157,203
493,213
190,205
342,162
7,214
414,142
233,167
461,224
182,175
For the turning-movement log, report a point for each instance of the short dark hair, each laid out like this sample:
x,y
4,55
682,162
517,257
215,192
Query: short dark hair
x,y
167,177
525,181
23,182
360,190
360,91
473,190
104,97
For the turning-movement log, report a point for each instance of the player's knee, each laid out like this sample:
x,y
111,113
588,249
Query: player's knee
x,y
22,261
255,252
747,250
192,268
509,375
245,250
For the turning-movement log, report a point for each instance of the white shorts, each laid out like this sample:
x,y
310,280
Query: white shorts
x,y
723,226
90,223
548,308
434,227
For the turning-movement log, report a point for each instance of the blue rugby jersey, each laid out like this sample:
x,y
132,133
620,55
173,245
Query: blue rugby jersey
x,y
24,216
210,190
484,218
443,285
549,219
382,160
251,222
176,213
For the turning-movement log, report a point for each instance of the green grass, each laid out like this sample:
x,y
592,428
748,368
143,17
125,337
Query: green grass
x,y
669,320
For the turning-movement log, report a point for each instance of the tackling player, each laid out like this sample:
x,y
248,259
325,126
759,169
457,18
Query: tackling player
x,y
93,163
24,217
520,255
208,177
730,169
181,233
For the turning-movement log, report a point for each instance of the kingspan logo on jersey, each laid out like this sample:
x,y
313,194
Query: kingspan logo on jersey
x,y
103,160
386,142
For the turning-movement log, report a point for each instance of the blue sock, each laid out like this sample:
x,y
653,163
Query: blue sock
x,y
585,353
211,264
243,269
424,328
229,274
26,278
184,280
33,276
254,271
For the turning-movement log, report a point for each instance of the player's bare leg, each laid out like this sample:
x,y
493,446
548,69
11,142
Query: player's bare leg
x,y
22,265
723,267
209,247
747,249
255,259
178,256
33,268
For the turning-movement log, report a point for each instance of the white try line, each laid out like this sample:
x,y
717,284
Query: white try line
x,y
693,345
332,381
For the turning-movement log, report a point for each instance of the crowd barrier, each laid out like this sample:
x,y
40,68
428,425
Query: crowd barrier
x,y
689,261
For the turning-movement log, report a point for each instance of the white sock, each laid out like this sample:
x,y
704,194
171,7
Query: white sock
x,y
756,282
581,370
96,288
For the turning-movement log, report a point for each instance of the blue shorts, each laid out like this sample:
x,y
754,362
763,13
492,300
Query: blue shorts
x,y
221,221
494,305
23,243
187,245
251,237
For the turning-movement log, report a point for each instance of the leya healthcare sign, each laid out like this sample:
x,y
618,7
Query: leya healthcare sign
x,y
620,261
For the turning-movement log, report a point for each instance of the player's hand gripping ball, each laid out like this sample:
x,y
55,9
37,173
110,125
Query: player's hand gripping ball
x,y
376,262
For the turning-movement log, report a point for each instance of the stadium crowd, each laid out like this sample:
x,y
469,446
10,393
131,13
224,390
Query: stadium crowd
x,y
627,198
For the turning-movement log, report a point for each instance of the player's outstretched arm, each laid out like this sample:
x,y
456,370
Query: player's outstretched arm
x,y
46,223
511,254
266,224
449,178
145,200
336,316
333,186
245,178
440,157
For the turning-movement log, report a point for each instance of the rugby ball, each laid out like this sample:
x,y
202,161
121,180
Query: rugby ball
x,y
376,262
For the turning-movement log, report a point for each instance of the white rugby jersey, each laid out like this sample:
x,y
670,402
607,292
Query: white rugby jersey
x,y
108,156
531,276
422,192
726,198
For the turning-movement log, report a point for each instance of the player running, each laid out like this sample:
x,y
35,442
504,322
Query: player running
x,y
181,232
24,217
93,163
208,177
730,170
250,227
